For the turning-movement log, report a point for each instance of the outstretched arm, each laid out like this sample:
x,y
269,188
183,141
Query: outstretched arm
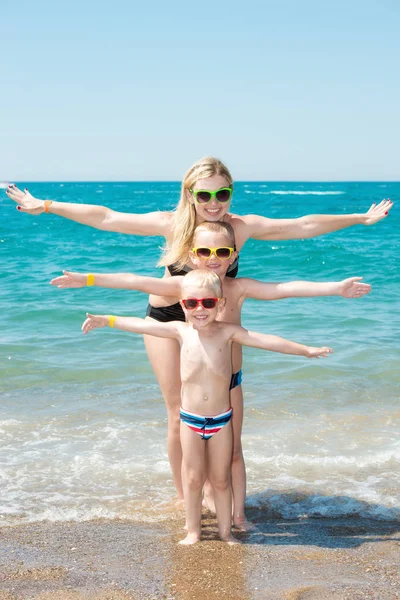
x,y
133,325
274,343
262,228
168,286
348,288
100,217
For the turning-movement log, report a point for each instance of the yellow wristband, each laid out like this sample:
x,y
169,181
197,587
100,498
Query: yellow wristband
x,y
90,279
47,204
111,320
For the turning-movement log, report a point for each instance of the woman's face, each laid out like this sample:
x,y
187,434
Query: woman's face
x,y
212,239
212,210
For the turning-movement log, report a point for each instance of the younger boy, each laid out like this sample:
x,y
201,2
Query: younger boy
x,y
206,371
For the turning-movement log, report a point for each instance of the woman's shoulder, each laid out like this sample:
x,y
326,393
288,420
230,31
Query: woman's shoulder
x,y
252,226
240,227
241,220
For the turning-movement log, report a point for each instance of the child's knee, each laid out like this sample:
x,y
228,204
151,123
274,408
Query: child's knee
x,y
194,480
220,483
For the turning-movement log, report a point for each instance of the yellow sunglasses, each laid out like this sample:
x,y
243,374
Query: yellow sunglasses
x,y
223,252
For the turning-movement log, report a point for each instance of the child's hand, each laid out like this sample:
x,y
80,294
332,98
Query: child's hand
x,y
70,280
94,322
317,352
353,288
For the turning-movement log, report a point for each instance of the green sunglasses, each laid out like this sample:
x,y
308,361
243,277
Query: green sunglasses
x,y
204,196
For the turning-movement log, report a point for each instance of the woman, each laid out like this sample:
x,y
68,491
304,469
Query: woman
x,y
205,196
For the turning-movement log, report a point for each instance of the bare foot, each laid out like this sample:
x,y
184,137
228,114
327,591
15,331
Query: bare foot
x,y
243,524
191,538
231,540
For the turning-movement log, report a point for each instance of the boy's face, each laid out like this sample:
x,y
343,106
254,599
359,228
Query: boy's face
x,y
200,317
210,239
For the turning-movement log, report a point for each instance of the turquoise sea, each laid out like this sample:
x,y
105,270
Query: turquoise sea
x,y
82,421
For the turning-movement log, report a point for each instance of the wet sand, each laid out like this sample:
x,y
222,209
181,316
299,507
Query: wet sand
x,y
309,559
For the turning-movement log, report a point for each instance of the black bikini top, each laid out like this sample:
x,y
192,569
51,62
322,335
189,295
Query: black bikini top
x,y
231,272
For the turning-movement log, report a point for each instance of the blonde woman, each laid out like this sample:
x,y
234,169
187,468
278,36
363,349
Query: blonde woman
x,y
205,196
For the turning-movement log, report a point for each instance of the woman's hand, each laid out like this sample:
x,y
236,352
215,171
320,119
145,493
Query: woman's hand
x,y
353,288
26,202
70,280
377,212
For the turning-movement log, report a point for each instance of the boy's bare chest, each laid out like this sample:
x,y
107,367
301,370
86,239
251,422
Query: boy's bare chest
x,y
204,358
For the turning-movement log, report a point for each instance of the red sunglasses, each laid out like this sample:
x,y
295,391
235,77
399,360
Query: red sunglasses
x,y
192,303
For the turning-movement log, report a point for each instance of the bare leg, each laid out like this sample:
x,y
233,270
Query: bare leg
x,y
164,356
238,468
193,475
219,454
208,495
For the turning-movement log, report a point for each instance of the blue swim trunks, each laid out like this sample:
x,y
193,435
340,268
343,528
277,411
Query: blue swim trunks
x,y
236,379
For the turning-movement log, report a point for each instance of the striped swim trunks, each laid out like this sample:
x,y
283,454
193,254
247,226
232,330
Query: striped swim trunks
x,y
205,426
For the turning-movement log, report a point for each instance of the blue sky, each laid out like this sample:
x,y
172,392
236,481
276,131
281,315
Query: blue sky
x,y
280,90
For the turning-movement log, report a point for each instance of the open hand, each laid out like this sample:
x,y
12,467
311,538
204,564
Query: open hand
x,y
94,322
377,212
26,202
317,352
70,280
353,288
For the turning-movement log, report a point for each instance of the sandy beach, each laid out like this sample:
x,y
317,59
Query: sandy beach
x,y
306,559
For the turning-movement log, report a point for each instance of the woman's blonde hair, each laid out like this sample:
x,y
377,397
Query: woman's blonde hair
x,y
204,278
177,251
